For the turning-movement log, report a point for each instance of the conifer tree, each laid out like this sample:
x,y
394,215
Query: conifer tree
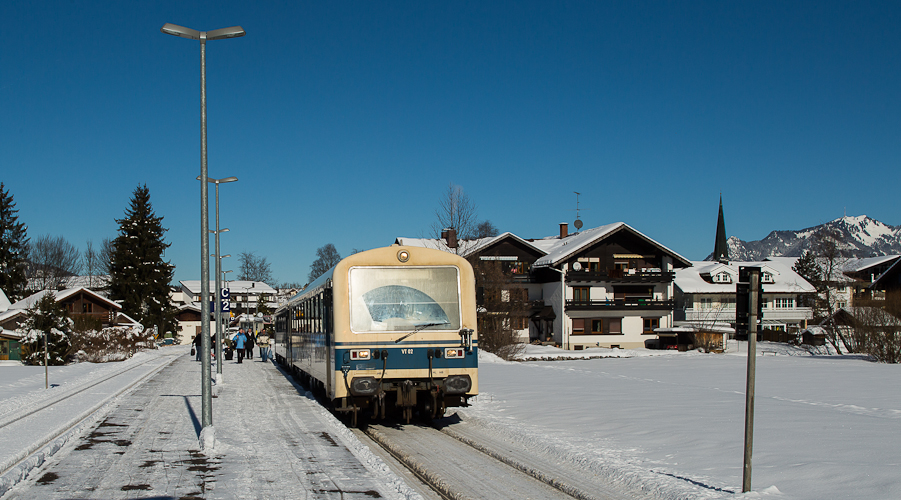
x,y
46,318
139,277
13,248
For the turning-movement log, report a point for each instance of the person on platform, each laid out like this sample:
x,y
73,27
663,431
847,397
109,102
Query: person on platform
x,y
240,344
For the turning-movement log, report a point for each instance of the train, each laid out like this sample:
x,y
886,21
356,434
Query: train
x,y
385,332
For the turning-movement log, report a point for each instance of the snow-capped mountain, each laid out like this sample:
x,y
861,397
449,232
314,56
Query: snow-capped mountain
x,y
861,235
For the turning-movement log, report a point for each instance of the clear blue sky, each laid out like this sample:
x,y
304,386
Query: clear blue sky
x,y
346,121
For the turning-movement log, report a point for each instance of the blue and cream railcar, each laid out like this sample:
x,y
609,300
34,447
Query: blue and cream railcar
x,y
392,327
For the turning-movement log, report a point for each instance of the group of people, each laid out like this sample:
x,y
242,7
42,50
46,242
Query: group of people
x,y
244,343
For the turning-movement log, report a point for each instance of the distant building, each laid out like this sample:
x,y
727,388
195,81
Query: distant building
x,y
610,286
705,295
245,298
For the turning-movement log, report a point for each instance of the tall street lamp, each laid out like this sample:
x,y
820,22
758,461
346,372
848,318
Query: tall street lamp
x,y
219,311
207,439
219,283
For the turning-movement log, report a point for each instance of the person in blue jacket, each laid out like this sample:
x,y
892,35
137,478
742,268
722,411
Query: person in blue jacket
x,y
240,342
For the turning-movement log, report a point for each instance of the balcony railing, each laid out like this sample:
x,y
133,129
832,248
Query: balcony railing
x,y
589,305
650,275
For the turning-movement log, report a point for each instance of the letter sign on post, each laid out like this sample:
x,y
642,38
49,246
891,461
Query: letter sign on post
x,y
225,299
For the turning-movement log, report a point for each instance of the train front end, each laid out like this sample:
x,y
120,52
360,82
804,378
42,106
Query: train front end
x,y
406,342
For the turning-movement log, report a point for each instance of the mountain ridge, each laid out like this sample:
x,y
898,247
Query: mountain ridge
x,y
861,237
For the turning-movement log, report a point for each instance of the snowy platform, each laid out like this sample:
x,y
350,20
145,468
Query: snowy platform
x,y
272,441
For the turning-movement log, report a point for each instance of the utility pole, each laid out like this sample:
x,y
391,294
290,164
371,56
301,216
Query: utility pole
x,y
748,306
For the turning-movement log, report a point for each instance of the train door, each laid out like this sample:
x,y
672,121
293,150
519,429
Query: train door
x,y
327,326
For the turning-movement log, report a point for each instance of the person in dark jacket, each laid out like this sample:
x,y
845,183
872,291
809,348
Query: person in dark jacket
x,y
196,348
251,340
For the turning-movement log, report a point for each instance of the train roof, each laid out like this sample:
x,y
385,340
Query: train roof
x,y
325,279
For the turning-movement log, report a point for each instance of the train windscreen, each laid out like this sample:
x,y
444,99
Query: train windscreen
x,y
401,299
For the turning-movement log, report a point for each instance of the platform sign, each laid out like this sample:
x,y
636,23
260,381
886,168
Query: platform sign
x,y
225,297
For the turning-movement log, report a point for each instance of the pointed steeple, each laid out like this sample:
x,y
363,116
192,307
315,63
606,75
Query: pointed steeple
x,y
720,249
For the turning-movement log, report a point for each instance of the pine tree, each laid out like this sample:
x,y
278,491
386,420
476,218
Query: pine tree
x,y
46,317
13,248
138,275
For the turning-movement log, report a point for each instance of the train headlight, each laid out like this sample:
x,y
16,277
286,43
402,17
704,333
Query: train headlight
x,y
454,352
359,354
457,384
364,386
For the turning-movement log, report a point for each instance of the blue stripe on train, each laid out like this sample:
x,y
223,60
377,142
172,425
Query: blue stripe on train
x,y
408,358
390,343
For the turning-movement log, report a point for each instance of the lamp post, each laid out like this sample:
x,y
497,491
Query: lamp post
x,y
219,273
206,385
218,311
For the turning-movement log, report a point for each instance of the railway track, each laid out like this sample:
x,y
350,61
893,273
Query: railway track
x,y
470,464
35,425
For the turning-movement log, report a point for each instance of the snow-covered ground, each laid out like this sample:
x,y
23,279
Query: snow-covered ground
x,y
825,426
671,423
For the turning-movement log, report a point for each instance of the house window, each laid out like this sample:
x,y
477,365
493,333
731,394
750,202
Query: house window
x,y
578,326
766,277
520,268
651,324
614,326
722,277
621,266
728,303
706,303
87,307
785,303
607,326
519,322
580,294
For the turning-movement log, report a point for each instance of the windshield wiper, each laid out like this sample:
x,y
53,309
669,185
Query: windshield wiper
x,y
419,328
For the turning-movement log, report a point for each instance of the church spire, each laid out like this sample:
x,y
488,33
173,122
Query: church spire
x,y
720,249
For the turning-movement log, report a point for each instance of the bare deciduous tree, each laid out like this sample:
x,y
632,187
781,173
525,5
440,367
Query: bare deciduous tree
x,y
486,229
52,262
105,256
503,309
326,257
828,249
253,268
455,210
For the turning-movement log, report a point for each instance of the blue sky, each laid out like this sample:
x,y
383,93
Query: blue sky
x,y
346,121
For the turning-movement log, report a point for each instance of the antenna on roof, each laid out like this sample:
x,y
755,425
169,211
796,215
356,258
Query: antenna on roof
x,y
578,222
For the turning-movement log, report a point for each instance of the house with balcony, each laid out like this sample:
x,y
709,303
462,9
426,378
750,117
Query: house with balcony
x,y
610,286
705,295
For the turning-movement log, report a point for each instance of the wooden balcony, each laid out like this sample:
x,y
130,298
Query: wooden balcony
x,y
652,275
620,304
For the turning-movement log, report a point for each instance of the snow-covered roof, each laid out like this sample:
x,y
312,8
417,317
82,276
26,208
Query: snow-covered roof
x,y
61,295
785,280
4,301
467,247
253,287
10,313
559,249
855,265
123,319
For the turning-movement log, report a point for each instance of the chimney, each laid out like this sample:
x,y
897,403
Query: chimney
x,y
564,230
450,237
